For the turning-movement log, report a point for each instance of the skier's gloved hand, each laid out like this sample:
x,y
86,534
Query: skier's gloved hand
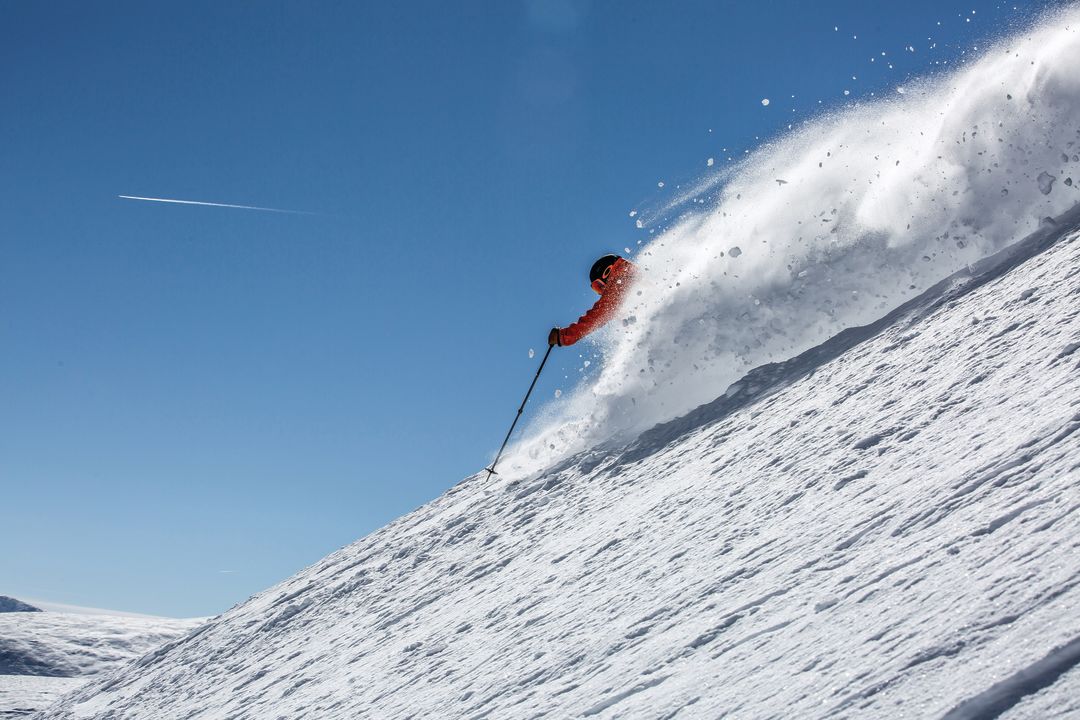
x,y
553,337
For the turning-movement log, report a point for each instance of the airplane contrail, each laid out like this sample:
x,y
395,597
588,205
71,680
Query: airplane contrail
x,y
212,204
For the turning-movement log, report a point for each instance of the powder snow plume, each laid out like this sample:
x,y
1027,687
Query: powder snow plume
x,y
831,227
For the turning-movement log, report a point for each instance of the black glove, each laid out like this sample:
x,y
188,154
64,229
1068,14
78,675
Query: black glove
x,y
553,337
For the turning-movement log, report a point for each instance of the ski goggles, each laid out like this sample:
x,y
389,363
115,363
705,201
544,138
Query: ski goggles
x,y
600,283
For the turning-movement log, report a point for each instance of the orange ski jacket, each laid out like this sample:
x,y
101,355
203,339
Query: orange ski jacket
x,y
615,288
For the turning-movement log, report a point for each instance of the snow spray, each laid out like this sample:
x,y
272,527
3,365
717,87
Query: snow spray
x,y
829,227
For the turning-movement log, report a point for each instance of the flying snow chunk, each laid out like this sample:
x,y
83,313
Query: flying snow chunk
x,y
660,184
710,162
532,353
765,102
633,213
558,393
639,223
1046,182
735,251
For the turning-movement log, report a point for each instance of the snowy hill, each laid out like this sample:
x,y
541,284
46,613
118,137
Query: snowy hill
x,y
887,528
45,654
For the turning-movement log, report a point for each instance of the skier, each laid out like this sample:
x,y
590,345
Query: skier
x,y
610,277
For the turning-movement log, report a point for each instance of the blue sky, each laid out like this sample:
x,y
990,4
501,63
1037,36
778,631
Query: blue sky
x,y
196,402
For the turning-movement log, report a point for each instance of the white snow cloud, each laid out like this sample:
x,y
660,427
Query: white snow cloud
x,y
881,200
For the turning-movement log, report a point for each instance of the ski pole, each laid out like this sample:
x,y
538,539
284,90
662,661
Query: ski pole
x,y
491,470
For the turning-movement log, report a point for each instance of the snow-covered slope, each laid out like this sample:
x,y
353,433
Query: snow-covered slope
x,y
23,695
44,654
885,526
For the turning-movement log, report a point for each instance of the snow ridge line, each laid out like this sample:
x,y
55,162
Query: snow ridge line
x,y
1001,696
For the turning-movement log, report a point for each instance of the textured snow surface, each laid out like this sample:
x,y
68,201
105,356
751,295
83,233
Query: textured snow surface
x,y
22,695
886,526
44,655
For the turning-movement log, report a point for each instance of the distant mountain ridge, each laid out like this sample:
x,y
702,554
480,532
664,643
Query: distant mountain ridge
x,y
10,604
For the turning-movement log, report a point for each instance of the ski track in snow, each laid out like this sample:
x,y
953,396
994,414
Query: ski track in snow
x,y
889,529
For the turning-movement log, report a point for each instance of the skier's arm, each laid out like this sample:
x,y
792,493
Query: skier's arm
x,y
596,316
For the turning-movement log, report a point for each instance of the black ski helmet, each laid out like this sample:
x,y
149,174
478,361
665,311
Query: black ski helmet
x,y
598,268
